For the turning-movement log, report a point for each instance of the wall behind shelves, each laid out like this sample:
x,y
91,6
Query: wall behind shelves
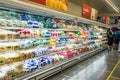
x,y
74,9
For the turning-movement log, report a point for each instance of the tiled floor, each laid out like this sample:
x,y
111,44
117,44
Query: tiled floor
x,y
98,67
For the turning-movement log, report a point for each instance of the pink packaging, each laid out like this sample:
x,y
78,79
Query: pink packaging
x,y
67,54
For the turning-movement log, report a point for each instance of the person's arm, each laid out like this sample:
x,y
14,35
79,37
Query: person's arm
x,y
111,31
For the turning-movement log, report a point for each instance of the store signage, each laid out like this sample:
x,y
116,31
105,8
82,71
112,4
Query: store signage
x,y
89,12
108,20
94,13
104,18
86,11
56,4
43,2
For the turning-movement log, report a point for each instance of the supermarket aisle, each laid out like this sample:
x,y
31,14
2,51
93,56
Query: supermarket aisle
x,y
98,67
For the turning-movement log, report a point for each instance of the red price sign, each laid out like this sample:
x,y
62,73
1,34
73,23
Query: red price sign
x,y
43,2
86,11
104,19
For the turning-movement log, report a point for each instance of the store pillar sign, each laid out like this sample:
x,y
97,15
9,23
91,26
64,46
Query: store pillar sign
x,y
86,11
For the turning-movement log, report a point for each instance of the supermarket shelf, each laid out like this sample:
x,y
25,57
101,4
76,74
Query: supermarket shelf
x,y
16,53
24,50
6,40
51,70
12,40
18,28
11,28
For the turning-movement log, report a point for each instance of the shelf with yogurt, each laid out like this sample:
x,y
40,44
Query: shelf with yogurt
x,y
8,34
63,62
16,46
36,34
33,24
23,67
33,43
27,50
42,38
32,53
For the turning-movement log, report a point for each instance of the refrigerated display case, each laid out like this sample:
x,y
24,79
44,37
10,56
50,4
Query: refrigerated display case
x,y
36,46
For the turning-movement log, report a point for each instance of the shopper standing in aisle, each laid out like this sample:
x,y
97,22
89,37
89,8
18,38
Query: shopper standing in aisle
x,y
116,39
110,39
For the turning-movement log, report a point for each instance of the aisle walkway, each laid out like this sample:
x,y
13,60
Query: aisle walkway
x,y
103,66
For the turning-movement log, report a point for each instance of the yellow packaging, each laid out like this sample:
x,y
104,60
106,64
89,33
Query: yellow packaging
x,y
2,36
2,49
22,56
64,7
9,48
17,47
13,36
26,55
51,3
31,55
8,60
48,3
1,60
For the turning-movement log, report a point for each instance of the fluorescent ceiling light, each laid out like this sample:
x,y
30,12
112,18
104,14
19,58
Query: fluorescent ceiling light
x,y
112,5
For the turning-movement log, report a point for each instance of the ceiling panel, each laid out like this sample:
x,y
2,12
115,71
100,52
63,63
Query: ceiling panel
x,y
101,5
117,3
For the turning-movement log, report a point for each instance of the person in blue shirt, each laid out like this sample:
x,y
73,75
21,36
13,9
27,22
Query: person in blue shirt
x,y
116,39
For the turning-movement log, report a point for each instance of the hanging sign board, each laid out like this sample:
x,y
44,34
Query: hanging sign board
x,y
86,11
94,14
104,18
108,20
89,12
43,2
56,4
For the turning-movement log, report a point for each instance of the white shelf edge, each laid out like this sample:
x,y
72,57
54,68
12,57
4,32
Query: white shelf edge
x,y
14,28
